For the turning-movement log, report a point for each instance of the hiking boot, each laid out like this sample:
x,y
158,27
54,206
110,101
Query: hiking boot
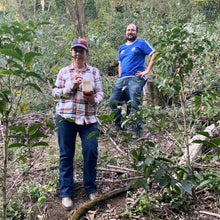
x,y
67,203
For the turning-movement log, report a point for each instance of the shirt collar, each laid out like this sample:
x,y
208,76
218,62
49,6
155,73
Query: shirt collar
x,y
72,67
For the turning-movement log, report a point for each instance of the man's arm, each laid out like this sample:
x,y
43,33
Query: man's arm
x,y
119,69
149,67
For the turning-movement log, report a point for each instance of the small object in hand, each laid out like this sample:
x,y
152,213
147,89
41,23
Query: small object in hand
x,y
87,93
87,87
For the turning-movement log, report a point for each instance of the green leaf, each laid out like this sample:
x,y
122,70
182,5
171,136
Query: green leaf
x,y
134,153
180,175
34,127
204,183
34,86
204,133
18,128
30,55
31,24
186,186
143,183
11,72
149,160
188,66
17,145
216,140
25,108
165,160
12,53
15,136
178,190
33,74
41,201
3,106
150,143
199,141
50,124
130,184
4,95
164,181
91,134
42,23
37,135
17,24
41,143
18,50
48,187
26,36
68,119
198,102
158,174
18,66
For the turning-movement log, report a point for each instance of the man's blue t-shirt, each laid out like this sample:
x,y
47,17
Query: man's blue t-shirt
x,y
132,57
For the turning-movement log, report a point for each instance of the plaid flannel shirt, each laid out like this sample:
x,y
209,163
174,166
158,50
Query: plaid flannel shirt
x,y
71,104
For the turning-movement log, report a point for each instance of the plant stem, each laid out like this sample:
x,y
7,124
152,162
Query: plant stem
x,y
5,154
185,133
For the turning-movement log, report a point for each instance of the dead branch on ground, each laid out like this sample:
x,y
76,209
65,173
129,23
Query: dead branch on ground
x,y
84,208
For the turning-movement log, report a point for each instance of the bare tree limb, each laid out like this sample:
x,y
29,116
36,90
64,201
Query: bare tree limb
x,y
210,213
84,208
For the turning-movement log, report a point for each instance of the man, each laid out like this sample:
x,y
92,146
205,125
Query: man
x,y
132,76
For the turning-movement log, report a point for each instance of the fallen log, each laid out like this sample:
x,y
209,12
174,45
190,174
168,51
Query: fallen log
x,y
195,149
85,207
210,213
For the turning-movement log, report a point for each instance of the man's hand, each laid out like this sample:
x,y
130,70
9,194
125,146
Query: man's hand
x,y
140,74
149,67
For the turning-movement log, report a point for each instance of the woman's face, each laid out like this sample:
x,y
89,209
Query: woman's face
x,y
79,54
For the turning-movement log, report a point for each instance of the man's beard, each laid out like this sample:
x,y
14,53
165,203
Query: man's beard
x,y
131,39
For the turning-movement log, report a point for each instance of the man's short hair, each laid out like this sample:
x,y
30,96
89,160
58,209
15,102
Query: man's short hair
x,y
135,26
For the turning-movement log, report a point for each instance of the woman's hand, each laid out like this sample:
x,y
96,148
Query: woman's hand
x,y
89,98
77,80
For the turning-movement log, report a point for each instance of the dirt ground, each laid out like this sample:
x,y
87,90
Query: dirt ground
x,y
45,166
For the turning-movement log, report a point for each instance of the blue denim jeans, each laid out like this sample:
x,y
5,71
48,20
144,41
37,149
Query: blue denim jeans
x,y
127,89
66,132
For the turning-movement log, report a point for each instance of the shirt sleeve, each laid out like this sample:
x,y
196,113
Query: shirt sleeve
x,y
147,48
98,90
60,89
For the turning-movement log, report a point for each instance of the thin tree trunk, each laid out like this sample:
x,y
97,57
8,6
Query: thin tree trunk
x,y
185,133
81,17
22,9
5,154
77,16
42,4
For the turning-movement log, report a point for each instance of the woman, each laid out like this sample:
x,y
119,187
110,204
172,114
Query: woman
x,y
76,113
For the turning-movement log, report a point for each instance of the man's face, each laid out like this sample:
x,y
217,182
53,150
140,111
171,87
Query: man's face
x,y
131,33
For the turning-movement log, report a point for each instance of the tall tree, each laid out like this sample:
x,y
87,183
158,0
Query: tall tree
x,y
77,15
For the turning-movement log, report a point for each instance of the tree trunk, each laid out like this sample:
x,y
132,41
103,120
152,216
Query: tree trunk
x,y
42,4
81,17
151,94
77,15
22,9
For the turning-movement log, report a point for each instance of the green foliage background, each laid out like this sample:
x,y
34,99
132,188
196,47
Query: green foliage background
x,y
105,30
